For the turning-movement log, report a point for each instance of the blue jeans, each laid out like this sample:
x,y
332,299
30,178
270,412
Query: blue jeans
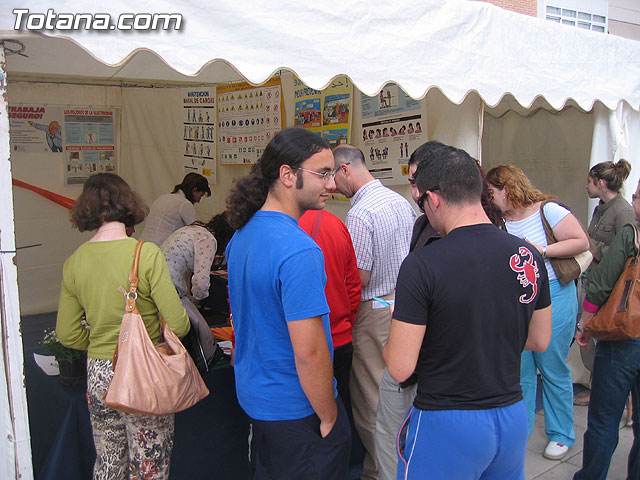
x,y
616,372
463,444
557,386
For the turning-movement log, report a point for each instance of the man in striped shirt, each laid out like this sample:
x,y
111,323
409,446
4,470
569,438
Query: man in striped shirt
x,y
380,223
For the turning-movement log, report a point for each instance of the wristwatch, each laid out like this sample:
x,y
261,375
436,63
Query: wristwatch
x,y
579,328
544,252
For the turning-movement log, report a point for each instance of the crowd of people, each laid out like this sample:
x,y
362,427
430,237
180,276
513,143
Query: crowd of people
x,y
422,337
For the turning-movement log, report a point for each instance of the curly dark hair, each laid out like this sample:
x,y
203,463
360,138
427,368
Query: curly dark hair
x,y
189,182
106,197
291,146
220,229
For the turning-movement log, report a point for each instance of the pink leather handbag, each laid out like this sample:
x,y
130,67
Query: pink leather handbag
x,y
151,379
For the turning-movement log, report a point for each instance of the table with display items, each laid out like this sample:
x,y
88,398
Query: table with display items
x,y
210,438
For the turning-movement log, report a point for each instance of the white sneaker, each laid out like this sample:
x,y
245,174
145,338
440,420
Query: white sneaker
x,y
555,451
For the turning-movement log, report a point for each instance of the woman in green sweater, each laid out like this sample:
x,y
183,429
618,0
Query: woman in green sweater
x,y
127,445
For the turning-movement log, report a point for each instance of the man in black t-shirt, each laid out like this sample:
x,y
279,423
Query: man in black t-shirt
x,y
466,307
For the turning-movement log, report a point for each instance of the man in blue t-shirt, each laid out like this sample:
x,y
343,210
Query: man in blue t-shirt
x,y
283,353
466,307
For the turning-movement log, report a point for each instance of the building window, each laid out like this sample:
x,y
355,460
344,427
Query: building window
x,y
576,18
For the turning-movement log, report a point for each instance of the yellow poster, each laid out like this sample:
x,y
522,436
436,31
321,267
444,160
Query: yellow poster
x,y
326,112
248,118
336,111
308,106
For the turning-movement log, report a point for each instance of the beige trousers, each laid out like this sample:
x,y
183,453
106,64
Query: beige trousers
x,y
370,333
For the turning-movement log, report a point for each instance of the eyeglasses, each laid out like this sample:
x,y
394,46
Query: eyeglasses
x,y
412,181
423,197
326,176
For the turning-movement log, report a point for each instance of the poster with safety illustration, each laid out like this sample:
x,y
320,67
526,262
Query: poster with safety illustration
x,y
36,128
326,112
89,142
336,111
248,118
392,125
199,131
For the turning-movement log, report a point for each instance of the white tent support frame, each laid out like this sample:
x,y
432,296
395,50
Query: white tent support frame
x,y
15,447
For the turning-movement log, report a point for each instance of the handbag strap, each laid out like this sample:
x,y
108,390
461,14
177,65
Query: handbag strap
x,y
133,280
636,240
549,231
133,288
131,296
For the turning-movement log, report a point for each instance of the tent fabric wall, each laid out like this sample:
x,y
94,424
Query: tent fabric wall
x,y
616,135
152,149
552,149
40,221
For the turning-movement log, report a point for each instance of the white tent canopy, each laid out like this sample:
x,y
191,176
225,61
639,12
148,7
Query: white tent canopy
x,y
457,46
471,60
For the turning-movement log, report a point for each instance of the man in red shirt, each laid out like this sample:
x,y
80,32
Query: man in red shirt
x,y
342,289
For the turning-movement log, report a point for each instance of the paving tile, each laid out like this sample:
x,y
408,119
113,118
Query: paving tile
x,y
580,415
539,468
533,468
562,471
618,468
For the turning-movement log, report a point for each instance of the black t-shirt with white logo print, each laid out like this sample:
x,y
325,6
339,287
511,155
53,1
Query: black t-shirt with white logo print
x,y
475,290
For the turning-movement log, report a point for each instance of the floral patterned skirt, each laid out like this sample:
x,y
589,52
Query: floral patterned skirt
x,y
128,446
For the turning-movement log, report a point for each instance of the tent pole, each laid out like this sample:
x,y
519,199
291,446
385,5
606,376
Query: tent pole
x,y
15,445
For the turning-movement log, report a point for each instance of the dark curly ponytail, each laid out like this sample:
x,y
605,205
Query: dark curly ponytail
x,y
292,147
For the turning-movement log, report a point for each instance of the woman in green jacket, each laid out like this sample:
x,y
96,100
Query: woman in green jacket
x,y
93,282
605,181
616,368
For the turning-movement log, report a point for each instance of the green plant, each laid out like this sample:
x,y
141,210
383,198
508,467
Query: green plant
x,y
55,348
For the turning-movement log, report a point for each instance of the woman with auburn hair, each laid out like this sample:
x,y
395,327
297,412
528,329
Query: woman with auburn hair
x,y
520,204
127,445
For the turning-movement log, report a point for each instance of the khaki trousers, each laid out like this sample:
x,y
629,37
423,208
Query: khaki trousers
x,y
370,334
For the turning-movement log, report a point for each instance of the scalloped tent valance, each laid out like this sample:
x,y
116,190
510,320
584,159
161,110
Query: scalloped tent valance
x,y
456,46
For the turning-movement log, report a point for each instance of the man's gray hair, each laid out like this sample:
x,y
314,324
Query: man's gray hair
x,y
348,154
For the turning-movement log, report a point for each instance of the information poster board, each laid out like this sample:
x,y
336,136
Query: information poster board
x,y
327,112
199,131
248,118
308,106
36,128
336,111
393,125
89,143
